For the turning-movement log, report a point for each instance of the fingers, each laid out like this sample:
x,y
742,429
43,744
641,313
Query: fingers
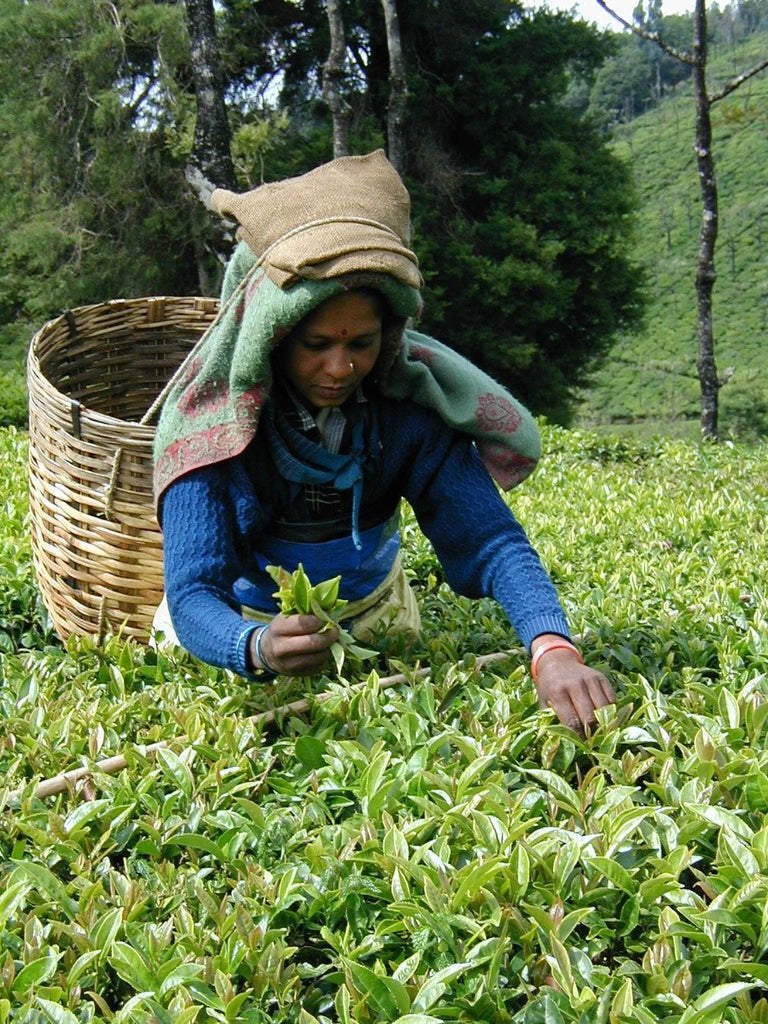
x,y
295,625
297,645
591,693
574,692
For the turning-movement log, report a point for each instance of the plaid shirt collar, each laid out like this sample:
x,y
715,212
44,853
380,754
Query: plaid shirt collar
x,y
327,427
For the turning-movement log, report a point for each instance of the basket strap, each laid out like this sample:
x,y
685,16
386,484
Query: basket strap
x,y
69,316
109,493
74,411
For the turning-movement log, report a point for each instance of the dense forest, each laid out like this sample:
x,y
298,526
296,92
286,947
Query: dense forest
x,y
523,210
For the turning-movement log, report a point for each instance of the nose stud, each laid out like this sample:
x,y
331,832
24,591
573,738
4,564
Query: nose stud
x,y
352,366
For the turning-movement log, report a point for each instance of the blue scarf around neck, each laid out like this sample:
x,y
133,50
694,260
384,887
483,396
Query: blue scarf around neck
x,y
302,461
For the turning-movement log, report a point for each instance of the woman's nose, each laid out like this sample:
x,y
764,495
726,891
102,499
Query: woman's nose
x,y
338,363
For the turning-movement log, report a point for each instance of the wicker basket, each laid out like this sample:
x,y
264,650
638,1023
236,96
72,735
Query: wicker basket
x,y
94,374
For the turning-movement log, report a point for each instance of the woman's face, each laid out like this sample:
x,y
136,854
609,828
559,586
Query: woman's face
x,y
333,349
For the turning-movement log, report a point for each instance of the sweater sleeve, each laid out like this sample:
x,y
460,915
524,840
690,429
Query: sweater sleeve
x,y
201,566
481,546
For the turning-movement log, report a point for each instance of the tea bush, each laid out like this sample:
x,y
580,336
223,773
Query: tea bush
x,y
436,850
13,399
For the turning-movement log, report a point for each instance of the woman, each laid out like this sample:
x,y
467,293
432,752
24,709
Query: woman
x,y
310,410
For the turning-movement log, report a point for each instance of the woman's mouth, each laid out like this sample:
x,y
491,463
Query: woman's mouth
x,y
332,392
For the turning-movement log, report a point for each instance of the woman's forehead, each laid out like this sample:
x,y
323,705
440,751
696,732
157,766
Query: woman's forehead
x,y
344,313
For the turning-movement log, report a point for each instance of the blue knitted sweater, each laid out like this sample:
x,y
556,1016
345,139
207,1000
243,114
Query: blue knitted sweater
x,y
212,519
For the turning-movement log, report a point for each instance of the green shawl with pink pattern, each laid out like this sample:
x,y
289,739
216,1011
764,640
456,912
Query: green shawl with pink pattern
x,y
212,409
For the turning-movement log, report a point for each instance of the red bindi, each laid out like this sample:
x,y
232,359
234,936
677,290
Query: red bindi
x,y
344,332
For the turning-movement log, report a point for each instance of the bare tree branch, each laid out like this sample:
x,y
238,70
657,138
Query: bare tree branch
x,y
734,83
200,185
652,37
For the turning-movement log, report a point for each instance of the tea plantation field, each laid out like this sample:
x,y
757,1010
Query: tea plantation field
x,y
649,382
432,850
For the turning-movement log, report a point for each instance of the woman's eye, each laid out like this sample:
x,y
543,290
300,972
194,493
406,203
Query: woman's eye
x,y
366,342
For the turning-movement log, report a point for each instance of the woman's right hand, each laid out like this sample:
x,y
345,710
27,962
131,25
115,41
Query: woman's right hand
x,y
293,645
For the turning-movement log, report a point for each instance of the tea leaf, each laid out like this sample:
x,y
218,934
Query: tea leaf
x,y
196,841
84,813
418,1018
49,885
558,786
386,994
81,965
36,972
55,1012
703,1007
614,872
128,965
105,931
310,751
434,987
623,1003
181,974
176,770
12,898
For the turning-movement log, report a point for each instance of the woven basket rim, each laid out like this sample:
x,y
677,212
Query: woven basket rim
x,y
50,386
124,301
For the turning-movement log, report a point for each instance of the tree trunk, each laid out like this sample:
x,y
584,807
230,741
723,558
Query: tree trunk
x,y
398,89
210,163
333,77
211,154
705,273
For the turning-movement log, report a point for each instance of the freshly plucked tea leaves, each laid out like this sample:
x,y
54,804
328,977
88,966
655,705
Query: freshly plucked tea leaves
x,y
437,851
298,596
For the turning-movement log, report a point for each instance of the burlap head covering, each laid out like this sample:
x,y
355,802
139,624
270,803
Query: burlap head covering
x,y
352,214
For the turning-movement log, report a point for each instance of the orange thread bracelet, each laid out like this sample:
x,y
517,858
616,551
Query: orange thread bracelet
x,y
545,648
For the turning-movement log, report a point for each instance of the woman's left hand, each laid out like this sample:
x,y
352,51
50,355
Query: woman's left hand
x,y
573,691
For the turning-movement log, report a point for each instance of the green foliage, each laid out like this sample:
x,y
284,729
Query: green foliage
x,y
13,399
649,381
94,199
526,262
298,596
640,73
23,619
436,851
622,86
513,239
522,207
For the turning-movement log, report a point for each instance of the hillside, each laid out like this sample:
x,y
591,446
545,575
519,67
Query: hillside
x,y
649,384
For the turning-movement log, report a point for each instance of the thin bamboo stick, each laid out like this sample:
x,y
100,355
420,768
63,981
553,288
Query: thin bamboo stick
x,y
116,763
